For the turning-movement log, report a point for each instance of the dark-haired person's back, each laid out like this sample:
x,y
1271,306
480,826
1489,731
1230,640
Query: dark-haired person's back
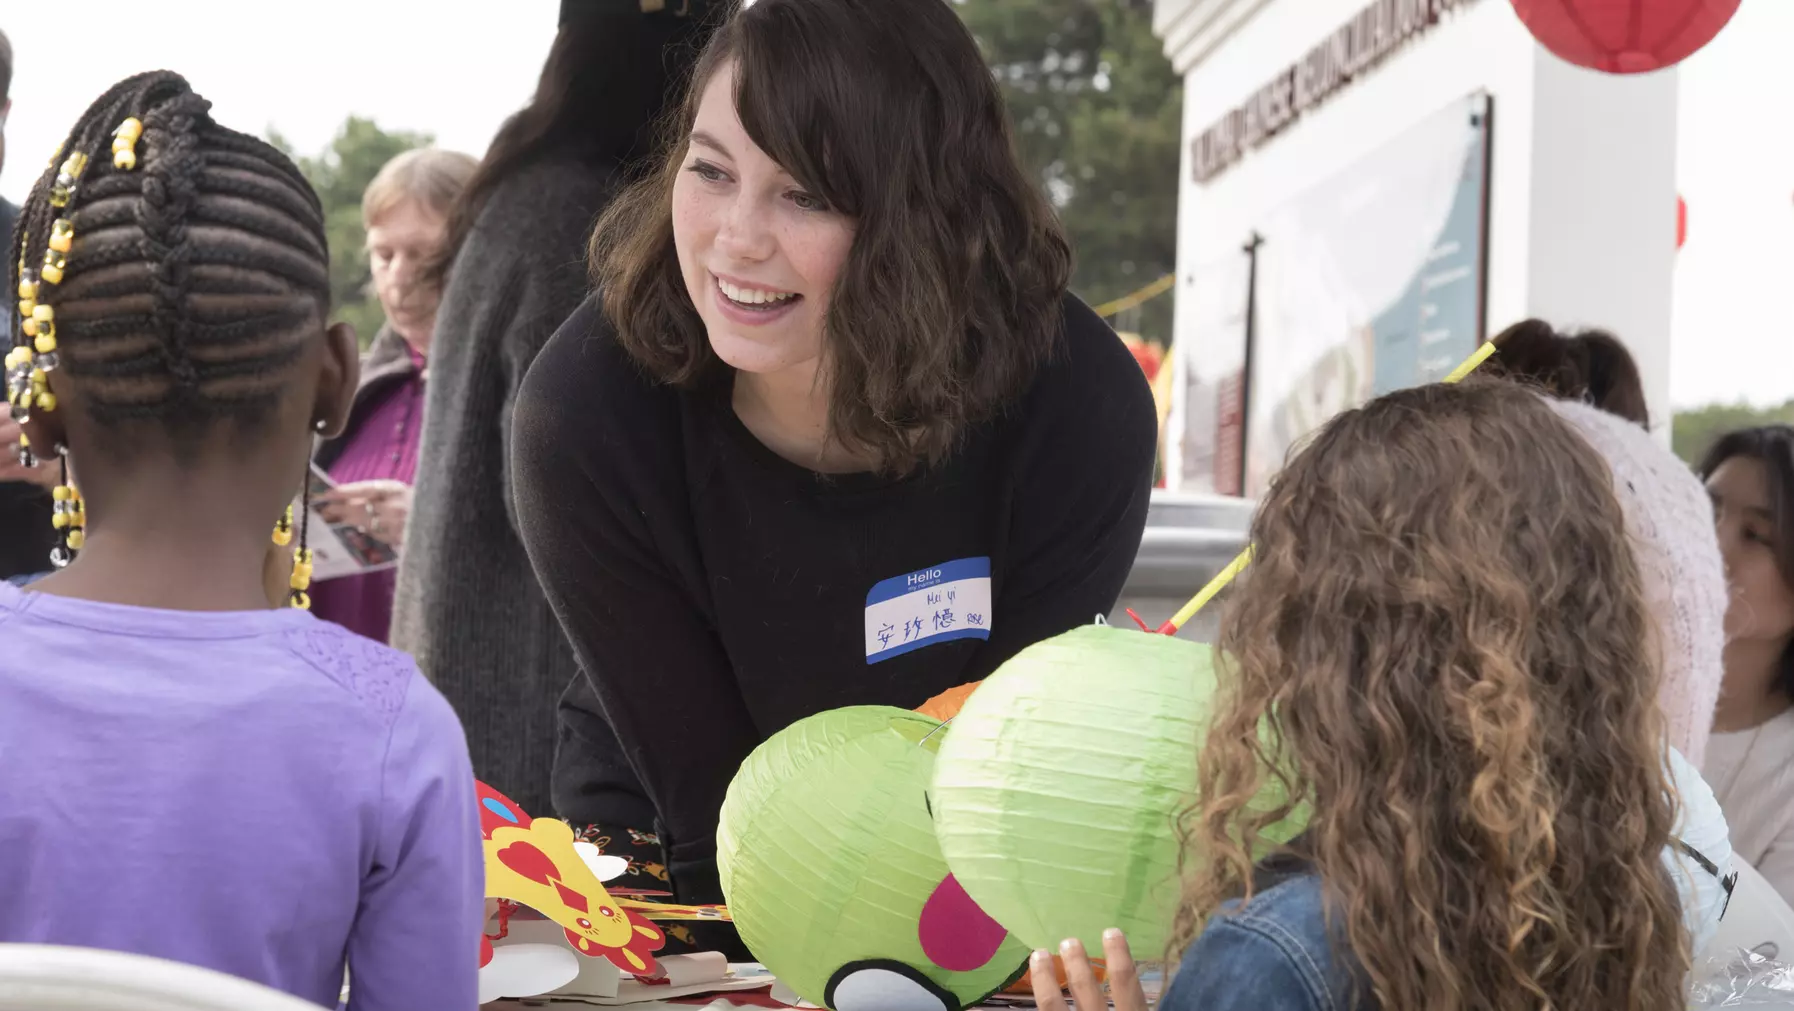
x,y
468,604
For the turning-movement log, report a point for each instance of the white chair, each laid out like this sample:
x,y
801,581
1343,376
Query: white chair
x,y
37,977
1757,916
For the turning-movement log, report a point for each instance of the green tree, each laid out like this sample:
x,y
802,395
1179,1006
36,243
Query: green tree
x,y
340,173
1693,431
1098,112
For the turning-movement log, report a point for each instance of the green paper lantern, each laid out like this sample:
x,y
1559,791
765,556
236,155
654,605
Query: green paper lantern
x,y
1057,790
829,862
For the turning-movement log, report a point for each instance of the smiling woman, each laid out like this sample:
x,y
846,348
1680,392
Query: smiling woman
x,y
834,434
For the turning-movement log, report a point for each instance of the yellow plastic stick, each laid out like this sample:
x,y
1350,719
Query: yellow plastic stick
x,y
1238,565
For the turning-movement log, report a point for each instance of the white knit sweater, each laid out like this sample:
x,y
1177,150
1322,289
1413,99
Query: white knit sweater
x,y
1669,520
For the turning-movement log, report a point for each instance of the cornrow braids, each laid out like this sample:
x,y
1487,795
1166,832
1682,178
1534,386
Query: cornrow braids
x,y
197,269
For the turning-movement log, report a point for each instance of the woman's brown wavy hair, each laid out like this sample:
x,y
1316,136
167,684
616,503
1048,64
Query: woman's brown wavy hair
x,y
951,296
1444,615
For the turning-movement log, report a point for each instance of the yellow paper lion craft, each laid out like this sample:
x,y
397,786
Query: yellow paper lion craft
x,y
532,862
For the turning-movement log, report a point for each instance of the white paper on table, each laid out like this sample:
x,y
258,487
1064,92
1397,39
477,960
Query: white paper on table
x,y
526,970
600,982
689,970
633,991
597,976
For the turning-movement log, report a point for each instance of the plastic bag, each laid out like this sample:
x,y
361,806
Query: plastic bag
x,y
1744,980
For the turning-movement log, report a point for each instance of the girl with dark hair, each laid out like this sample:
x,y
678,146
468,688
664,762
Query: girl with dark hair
x,y
1750,757
1590,366
835,433
191,774
467,604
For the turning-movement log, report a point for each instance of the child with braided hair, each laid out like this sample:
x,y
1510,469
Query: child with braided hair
x,y
190,773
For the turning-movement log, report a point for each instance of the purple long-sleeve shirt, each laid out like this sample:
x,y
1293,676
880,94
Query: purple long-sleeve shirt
x,y
260,793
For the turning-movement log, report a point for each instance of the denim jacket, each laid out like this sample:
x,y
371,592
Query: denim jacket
x,y
1273,954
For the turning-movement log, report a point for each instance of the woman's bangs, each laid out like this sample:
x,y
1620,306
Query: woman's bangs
x,y
795,100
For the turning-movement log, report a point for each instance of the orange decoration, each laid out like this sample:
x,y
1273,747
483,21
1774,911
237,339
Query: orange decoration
x,y
1024,987
946,705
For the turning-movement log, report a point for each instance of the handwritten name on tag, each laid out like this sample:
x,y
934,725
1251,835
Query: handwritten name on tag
x,y
929,606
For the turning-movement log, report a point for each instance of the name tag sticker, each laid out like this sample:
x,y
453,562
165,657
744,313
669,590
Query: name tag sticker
x,y
929,606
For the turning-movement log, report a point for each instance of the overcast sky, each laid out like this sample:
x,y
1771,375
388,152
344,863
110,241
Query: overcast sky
x,y
456,68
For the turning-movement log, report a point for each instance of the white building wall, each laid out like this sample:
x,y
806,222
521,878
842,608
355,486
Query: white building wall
x,y
1582,226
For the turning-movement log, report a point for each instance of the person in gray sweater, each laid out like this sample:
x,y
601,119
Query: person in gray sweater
x,y
468,605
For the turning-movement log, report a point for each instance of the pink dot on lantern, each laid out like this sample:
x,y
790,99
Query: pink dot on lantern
x,y
1624,36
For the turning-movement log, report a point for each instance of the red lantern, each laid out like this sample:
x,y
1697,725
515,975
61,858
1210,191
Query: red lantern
x,y
1625,36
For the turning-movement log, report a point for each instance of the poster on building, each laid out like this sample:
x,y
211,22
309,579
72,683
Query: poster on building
x,y
1371,281
1205,429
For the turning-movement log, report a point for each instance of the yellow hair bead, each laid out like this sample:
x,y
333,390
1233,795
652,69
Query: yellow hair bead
x,y
46,401
26,305
43,313
53,264
46,341
76,540
62,493
301,579
59,520
74,165
283,528
62,235
27,288
30,327
124,144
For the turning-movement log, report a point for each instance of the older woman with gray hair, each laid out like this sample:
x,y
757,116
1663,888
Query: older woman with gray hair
x,y
374,463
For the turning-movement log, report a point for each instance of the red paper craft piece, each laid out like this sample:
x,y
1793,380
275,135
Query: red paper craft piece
x,y
955,933
530,862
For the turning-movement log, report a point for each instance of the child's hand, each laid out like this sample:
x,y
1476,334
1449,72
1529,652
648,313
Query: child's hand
x,y
379,508
1124,978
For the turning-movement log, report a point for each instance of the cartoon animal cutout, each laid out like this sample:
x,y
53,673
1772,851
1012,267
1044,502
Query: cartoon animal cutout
x,y
532,861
